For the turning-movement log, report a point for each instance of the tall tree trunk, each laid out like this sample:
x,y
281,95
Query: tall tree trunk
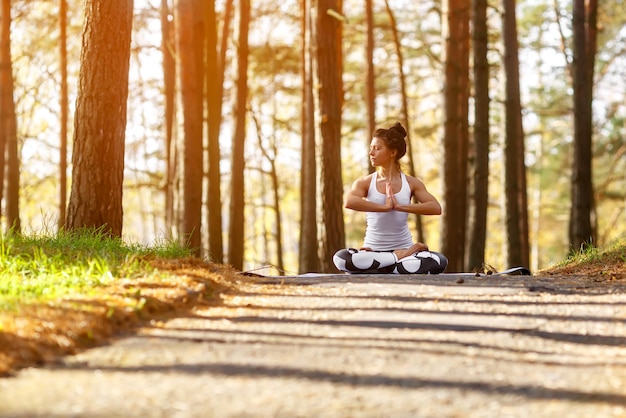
x,y
237,201
214,83
168,47
478,225
515,168
370,76
9,122
308,256
227,20
405,110
585,32
190,30
5,92
456,95
64,105
271,156
280,262
100,121
329,60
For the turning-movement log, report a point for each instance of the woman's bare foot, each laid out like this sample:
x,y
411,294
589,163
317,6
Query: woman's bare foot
x,y
405,252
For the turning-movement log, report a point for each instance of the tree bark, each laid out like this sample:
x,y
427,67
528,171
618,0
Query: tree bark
x,y
214,92
478,224
582,232
329,65
5,91
308,256
64,105
8,123
237,201
168,49
271,155
190,40
515,168
370,77
100,121
456,95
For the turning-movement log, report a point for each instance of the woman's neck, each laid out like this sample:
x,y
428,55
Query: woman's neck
x,y
388,172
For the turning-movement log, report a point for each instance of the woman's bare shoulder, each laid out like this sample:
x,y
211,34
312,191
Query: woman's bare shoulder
x,y
362,185
414,181
366,179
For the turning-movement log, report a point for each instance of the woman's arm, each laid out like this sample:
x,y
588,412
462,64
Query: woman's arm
x,y
427,203
355,198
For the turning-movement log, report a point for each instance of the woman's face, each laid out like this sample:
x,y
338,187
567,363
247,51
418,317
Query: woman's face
x,y
380,154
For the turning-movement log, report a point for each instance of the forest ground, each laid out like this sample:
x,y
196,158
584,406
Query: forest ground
x,y
552,344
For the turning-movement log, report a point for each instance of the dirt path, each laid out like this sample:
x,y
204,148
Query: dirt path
x,y
345,346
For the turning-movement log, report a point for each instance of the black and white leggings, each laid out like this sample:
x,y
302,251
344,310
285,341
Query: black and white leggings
x,y
351,260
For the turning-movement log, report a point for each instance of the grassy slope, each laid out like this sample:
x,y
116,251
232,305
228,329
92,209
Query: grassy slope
x,y
60,294
594,261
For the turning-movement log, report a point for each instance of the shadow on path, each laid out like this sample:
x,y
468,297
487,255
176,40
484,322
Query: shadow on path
x,y
363,380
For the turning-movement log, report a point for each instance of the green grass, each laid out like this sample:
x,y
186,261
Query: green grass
x,y
43,268
611,255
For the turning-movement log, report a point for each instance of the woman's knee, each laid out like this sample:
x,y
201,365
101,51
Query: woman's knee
x,y
423,262
352,260
343,259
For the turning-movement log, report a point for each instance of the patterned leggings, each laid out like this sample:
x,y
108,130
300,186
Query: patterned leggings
x,y
351,260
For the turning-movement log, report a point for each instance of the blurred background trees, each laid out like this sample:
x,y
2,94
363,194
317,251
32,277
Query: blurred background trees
x,y
318,76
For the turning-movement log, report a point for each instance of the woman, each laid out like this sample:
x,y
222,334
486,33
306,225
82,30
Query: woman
x,y
386,195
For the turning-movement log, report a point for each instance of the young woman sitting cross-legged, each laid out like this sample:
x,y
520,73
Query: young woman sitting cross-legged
x,y
386,196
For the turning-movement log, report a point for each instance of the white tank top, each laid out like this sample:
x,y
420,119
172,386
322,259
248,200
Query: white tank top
x,y
388,230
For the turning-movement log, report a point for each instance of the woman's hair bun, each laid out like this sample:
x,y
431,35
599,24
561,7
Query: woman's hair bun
x,y
399,129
